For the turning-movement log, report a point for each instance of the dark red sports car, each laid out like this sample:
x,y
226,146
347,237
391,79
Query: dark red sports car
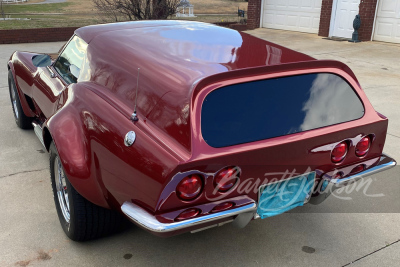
x,y
181,126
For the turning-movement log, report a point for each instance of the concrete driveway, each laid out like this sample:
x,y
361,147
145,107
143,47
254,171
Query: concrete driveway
x,y
365,230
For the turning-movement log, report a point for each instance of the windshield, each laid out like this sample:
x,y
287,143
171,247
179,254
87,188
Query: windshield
x,y
70,61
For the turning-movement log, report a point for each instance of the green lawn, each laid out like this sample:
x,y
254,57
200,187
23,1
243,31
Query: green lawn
x,y
47,21
46,8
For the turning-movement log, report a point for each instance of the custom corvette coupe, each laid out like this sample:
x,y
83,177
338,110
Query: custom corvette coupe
x,y
182,126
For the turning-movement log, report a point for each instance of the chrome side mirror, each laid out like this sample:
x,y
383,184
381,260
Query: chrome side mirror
x,y
41,60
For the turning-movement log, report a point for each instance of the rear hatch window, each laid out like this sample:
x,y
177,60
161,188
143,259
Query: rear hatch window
x,y
259,110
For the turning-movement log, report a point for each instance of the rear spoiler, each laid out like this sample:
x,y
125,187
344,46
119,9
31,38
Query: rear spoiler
x,y
265,70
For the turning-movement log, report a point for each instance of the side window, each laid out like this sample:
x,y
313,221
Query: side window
x,y
70,61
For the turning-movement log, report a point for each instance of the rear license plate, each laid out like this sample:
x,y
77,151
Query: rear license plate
x,y
282,196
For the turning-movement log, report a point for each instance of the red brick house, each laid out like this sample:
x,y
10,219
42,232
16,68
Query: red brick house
x,y
380,19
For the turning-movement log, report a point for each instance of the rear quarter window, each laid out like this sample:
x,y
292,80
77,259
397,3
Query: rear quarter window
x,y
259,110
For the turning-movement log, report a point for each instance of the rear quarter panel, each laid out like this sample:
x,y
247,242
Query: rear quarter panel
x,y
89,135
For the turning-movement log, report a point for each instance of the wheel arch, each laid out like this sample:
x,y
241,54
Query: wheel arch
x,y
24,103
70,138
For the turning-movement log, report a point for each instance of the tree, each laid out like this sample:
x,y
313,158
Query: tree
x,y
122,10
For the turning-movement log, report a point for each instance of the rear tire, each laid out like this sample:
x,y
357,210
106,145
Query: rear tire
x,y
80,219
23,121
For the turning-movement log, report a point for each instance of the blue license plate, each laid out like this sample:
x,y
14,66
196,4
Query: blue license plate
x,y
279,197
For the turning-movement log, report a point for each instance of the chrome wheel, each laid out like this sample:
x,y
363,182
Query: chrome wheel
x,y
61,187
14,100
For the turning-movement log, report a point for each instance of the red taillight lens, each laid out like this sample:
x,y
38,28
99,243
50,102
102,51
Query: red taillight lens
x,y
187,214
223,206
190,187
339,152
363,146
358,169
338,175
226,178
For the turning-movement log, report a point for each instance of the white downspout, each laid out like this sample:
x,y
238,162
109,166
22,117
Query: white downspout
x,y
333,18
376,14
262,13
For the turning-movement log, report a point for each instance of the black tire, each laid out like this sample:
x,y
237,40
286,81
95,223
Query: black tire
x,y
86,220
23,121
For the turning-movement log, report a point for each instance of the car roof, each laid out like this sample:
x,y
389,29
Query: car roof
x,y
188,51
87,33
173,57
191,40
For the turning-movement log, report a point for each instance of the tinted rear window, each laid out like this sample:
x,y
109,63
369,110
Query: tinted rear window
x,y
259,110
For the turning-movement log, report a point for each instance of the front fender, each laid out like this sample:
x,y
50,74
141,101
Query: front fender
x,y
71,138
11,66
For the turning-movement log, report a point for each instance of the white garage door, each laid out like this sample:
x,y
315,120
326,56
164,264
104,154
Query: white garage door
x,y
293,15
387,25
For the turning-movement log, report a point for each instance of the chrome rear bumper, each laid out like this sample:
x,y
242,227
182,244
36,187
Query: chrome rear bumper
x,y
141,217
148,221
385,162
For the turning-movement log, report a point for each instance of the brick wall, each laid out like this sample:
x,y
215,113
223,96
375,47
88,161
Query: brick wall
x,y
253,14
226,24
367,14
232,25
325,20
36,35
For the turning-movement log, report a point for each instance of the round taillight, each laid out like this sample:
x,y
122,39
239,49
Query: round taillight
x,y
226,178
363,146
223,206
190,187
338,175
339,152
188,214
358,169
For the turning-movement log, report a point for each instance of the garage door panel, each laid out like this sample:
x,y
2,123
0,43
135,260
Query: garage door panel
x,y
306,4
387,24
292,20
384,29
315,24
296,15
305,22
293,3
268,18
389,6
280,19
397,31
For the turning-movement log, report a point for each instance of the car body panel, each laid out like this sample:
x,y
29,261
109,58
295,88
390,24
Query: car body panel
x,y
180,64
171,67
94,156
48,92
24,75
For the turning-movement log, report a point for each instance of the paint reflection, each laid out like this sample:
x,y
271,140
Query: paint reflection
x,y
329,103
